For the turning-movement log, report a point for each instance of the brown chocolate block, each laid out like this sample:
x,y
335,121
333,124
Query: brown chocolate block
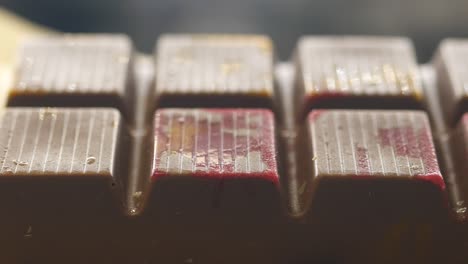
x,y
452,71
370,184
52,147
74,70
388,150
215,180
61,168
356,72
214,71
229,153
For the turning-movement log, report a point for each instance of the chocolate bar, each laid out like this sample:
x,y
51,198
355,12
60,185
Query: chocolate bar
x,y
74,71
214,71
452,80
356,72
206,184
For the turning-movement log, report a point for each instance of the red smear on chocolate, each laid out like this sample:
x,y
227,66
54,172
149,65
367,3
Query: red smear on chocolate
x,y
429,157
213,141
402,140
315,114
464,123
435,179
362,160
406,143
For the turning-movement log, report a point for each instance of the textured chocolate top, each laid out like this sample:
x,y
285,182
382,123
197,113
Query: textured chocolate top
x,y
215,143
452,70
74,64
384,66
454,54
211,64
373,143
58,141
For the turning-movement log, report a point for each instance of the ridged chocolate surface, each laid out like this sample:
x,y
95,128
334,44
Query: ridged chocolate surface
x,y
373,143
74,64
358,66
452,69
215,143
215,64
59,141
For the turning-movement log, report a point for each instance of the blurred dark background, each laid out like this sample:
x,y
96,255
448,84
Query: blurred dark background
x,y
425,21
